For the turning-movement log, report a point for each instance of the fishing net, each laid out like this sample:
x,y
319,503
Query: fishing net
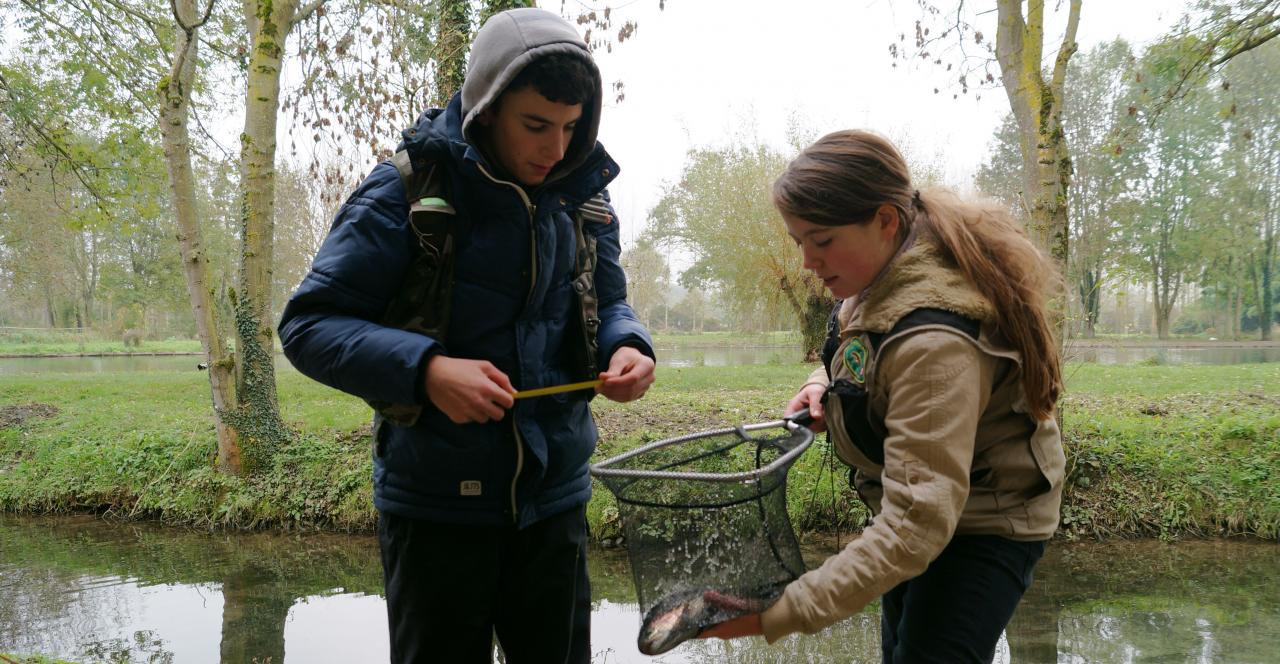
x,y
708,512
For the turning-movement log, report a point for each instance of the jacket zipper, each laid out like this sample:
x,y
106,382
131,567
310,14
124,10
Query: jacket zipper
x,y
533,279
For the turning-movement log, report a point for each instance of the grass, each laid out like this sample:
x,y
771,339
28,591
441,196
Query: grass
x,y
1169,451
1155,381
1252,335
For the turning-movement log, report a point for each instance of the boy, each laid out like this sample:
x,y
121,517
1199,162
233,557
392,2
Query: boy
x,y
481,496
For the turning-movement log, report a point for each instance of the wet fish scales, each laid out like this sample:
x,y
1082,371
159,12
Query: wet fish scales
x,y
682,615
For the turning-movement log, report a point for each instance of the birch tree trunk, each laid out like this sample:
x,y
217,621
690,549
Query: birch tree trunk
x,y
175,95
1037,105
257,413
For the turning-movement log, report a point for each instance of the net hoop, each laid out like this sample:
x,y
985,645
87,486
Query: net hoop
x,y
604,469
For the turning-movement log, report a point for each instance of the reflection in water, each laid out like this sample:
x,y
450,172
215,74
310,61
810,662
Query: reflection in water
x,y
86,590
111,619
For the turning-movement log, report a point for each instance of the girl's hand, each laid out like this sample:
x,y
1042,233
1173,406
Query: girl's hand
x,y
748,625
810,396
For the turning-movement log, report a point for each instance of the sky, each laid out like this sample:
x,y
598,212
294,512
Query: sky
x,y
707,72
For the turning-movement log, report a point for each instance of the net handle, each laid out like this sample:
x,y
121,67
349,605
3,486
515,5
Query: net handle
x,y
798,421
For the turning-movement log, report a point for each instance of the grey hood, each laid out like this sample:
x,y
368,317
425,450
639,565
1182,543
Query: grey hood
x,y
505,45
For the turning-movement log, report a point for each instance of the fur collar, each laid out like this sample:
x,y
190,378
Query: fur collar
x,y
920,277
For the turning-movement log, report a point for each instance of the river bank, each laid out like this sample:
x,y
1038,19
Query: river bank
x,y
1162,451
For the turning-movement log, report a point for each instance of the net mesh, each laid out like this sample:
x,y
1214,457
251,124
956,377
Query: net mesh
x,y
709,512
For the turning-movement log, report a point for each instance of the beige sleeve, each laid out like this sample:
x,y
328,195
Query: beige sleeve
x,y
939,383
818,376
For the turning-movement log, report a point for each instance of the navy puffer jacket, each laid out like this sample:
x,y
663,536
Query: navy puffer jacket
x,y
511,303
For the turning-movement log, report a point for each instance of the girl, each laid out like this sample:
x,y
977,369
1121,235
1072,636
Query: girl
x,y
938,389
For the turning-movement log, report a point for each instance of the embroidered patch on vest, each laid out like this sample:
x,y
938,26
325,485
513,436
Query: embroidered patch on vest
x,y
470,488
855,360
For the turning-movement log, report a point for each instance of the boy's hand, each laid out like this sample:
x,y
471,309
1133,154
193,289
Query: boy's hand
x,y
630,374
468,390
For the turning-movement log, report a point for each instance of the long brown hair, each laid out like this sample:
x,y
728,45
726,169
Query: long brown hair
x,y
846,176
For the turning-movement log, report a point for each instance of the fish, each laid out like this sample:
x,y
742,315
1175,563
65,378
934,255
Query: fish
x,y
682,615
673,620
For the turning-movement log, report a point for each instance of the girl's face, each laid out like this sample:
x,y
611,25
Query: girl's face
x,y
847,258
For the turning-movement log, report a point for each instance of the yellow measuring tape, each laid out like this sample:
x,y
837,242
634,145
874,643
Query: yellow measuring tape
x,y
556,389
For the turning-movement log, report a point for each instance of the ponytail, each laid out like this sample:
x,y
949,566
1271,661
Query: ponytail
x,y
993,251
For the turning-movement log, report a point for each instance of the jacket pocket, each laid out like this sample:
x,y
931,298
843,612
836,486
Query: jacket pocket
x,y
1046,447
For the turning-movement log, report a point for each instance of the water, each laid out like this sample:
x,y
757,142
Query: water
x,y
1212,355
111,363
87,590
676,357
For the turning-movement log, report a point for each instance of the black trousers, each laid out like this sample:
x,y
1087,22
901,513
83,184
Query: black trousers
x,y
450,588
956,611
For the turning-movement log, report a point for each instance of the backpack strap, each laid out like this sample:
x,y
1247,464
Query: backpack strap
x,y
421,304
927,316
585,347
832,342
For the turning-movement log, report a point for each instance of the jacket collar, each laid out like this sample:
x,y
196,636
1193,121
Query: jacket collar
x,y
916,278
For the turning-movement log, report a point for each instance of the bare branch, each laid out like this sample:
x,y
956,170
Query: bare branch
x,y
305,12
1069,47
128,9
1247,45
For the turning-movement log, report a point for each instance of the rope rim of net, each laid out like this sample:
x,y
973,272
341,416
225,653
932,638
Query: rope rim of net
x,y
604,469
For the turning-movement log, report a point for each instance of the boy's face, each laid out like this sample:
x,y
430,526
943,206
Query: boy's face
x,y
528,133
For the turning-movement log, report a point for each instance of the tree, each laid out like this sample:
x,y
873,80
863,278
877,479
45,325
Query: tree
x,y
1252,82
1215,33
302,222
1095,101
149,52
257,412
720,211
1176,157
693,307
1037,104
175,91
1035,99
648,279
1000,176
71,131
36,243
372,68
453,36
